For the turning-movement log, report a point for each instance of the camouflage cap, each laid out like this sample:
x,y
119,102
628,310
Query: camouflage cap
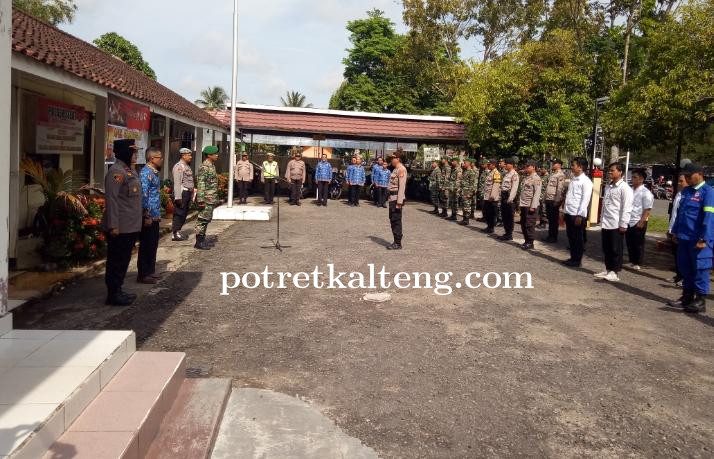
x,y
210,150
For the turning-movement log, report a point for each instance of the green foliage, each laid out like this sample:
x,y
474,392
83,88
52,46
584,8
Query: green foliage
x,y
294,99
52,11
125,50
214,98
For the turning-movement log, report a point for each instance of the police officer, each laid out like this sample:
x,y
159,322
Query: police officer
x,y
454,186
554,196
693,231
468,189
435,185
509,189
397,194
207,195
491,195
122,220
296,173
529,204
243,174
443,186
183,192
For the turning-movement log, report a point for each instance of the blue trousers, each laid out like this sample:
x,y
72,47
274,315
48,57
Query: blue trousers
x,y
695,265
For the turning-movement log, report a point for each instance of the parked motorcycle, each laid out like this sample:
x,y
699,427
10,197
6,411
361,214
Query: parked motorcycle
x,y
336,185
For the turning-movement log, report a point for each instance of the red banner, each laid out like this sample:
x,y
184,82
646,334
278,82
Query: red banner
x,y
59,128
127,114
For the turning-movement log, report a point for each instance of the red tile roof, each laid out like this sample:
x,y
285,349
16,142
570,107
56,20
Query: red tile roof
x,y
53,47
367,126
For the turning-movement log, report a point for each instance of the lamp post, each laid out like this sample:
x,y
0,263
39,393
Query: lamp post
x,y
234,97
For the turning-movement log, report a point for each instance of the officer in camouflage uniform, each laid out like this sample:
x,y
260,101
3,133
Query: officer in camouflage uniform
x,y
502,172
482,174
207,195
443,191
468,190
454,186
435,186
545,177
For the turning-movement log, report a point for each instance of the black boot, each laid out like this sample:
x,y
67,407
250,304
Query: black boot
x,y
178,237
465,221
443,213
201,243
697,305
120,299
686,298
435,211
453,217
395,246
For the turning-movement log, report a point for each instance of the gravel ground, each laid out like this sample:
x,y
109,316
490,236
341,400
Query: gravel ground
x,y
570,368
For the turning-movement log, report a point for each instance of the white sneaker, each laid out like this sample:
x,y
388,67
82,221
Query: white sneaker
x,y
612,277
601,275
635,267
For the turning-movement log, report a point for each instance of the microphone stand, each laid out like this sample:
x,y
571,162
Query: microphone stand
x,y
276,243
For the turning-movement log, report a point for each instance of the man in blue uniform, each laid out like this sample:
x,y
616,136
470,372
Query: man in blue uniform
x,y
693,231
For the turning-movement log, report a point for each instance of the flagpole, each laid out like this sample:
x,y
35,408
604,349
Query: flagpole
x,y
234,96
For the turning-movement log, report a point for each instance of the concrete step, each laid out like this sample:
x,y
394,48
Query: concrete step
x,y
123,420
190,428
47,378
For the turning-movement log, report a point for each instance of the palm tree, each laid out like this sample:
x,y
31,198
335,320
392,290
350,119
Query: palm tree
x,y
214,98
294,99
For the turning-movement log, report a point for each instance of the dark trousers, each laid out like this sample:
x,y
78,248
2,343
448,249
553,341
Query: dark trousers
x,y
354,194
635,238
612,249
269,188
381,193
575,237
180,212
295,189
677,271
528,223
148,245
322,191
243,190
490,212
395,220
119,250
507,213
553,219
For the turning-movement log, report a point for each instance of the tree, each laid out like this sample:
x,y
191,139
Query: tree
x,y
214,98
294,99
125,50
53,11
370,84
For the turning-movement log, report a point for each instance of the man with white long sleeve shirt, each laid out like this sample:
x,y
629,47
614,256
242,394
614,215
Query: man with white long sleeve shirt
x,y
616,213
577,201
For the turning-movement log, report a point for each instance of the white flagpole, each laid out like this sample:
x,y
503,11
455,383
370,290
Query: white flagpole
x,y
234,96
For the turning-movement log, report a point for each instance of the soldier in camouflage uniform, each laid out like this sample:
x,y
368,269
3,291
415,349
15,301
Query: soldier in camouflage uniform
x,y
454,186
502,172
435,186
468,190
443,191
207,195
483,172
545,176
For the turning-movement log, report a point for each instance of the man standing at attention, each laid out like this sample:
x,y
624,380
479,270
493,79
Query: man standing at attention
x,y
295,173
380,179
151,203
491,192
576,205
642,203
454,186
268,176
529,203
509,189
443,187
468,190
616,210
184,189
243,173
693,231
434,186
554,199
323,177
207,195
356,179
397,192
122,220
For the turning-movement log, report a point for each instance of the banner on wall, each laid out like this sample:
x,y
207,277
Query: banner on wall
x,y
60,128
127,120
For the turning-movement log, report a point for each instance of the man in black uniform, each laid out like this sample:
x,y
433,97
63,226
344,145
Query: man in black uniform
x,y
122,219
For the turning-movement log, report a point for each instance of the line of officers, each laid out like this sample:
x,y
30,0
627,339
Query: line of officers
x,y
498,189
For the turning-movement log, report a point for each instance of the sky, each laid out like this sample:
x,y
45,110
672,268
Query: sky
x,y
284,45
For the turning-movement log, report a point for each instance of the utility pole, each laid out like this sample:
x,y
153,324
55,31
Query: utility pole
x,y
234,97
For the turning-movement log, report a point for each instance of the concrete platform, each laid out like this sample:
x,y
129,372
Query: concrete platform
x,y
245,212
47,378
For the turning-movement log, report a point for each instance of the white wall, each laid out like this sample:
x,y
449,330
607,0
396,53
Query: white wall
x,y
5,103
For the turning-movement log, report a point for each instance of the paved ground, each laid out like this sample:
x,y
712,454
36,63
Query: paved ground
x,y
572,368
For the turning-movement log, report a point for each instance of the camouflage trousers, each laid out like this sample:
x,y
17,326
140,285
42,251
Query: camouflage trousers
x,y
204,218
454,201
467,204
435,196
444,199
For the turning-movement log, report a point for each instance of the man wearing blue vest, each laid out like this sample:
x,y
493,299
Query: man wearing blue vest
x,y
693,231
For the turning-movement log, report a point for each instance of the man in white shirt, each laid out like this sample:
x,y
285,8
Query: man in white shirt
x,y
577,201
615,218
681,184
642,203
